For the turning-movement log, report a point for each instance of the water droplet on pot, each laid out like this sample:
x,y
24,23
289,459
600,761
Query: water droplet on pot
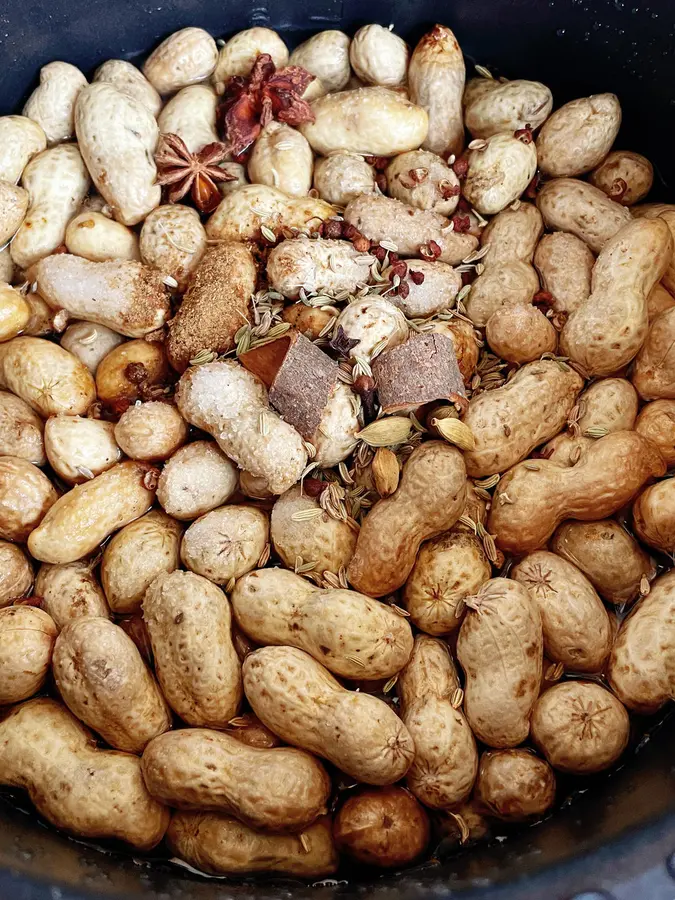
x,y
560,32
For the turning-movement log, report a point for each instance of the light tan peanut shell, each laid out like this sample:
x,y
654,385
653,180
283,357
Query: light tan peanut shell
x,y
121,294
327,542
151,431
641,671
500,648
27,638
509,422
70,592
52,103
13,207
317,267
607,554
244,210
423,180
84,517
625,176
341,177
325,55
609,403
185,57
654,367
240,52
371,321
6,265
14,313
89,343
135,556
502,285
16,573
437,292
508,106
145,362
225,543
20,139
127,78
520,334
300,701
188,619
659,301
336,433
576,625
580,727
378,56
98,238
42,317
221,845
514,785
565,264
579,135
566,449
195,480
352,635
48,378
666,212
191,115
656,422
21,430
117,136
410,229
98,793
609,328
581,209
103,680
512,235
279,789
436,80
446,760
370,120
26,494
57,182
225,400
282,158
499,172
654,516
173,240
383,827
79,449
542,493
429,500
448,569
463,337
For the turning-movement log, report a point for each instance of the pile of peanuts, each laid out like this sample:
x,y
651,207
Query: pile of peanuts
x,y
271,649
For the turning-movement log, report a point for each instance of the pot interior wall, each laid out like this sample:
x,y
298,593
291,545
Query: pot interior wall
x,y
577,47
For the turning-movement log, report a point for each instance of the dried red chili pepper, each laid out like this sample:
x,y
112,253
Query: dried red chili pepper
x,y
250,103
198,173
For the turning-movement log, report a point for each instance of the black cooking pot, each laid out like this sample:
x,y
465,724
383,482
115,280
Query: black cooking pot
x,y
616,837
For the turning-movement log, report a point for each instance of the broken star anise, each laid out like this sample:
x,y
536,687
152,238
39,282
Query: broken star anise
x,y
198,172
250,102
341,343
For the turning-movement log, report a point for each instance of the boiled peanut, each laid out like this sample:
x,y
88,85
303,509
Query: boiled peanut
x,y
195,480
226,543
27,636
71,592
579,135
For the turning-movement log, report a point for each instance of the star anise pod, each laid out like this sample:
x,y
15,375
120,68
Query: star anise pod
x,y
341,343
268,93
195,172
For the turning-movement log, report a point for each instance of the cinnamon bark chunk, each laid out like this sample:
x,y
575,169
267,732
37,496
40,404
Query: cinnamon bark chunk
x,y
215,306
300,378
421,370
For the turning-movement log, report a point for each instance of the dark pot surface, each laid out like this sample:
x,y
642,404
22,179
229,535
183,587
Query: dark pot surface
x,y
617,838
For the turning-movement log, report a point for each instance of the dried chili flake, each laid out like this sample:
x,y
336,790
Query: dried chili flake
x,y
524,134
182,171
251,102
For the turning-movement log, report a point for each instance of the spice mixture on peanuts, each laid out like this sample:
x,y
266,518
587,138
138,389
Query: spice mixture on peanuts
x,y
336,413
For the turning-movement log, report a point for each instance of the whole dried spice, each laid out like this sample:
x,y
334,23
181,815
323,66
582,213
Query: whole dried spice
x,y
341,343
364,386
448,189
461,167
331,229
251,102
524,134
379,163
430,250
543,299
416,277
461,224
618,189
198,173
